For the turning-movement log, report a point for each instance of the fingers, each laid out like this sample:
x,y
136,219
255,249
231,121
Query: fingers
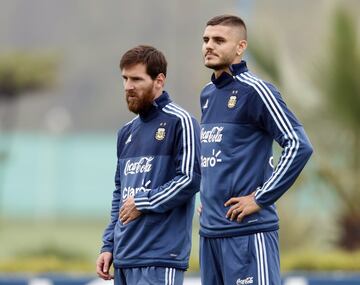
x,y
230,211
123,216
232,201
99,270
102,268
132,216
122,211
241,217
234,211
106,266
234,214
125,220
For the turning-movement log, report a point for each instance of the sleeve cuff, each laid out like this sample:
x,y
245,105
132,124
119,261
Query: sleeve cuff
x,y
141,201
106,248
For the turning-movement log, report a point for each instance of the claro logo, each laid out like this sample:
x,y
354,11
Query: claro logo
x,y
143,165
131,191
211,161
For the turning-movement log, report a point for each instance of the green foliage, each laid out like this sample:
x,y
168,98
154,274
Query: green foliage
x,y
336,123
21,72
340,81
340,87
266,60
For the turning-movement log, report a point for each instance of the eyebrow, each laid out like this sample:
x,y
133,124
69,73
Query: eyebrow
x,y
216,38
132,77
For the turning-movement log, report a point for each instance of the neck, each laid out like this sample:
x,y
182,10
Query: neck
x,y
158,94
218,72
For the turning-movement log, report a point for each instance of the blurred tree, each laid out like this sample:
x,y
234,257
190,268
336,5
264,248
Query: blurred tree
x,y
20,73
267,60
337,123
340,86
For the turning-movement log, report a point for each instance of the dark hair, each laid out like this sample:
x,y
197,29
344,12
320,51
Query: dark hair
x,y
153,59
228,20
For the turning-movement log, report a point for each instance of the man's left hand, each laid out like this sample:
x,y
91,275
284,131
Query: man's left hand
x,y
128,211
241,207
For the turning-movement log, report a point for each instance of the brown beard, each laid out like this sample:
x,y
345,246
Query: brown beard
x,y
223,64
140,104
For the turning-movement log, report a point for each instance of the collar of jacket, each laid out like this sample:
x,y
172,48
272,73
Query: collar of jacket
x,y
225,78
158,103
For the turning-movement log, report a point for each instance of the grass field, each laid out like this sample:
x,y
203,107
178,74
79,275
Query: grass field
x,y
53,245
73,245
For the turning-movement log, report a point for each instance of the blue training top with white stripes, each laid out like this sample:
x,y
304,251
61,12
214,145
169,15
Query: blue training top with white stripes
x,y
159,164
241,117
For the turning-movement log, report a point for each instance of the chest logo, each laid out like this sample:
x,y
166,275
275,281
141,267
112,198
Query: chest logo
x,y
160,134
232,102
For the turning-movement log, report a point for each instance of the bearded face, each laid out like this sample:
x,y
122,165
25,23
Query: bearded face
x,y
140,101
139,88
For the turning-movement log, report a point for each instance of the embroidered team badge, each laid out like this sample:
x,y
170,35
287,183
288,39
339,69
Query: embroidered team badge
x,y
160,134
232,102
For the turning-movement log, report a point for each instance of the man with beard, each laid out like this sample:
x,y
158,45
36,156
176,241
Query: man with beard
x,y
148,239
241,117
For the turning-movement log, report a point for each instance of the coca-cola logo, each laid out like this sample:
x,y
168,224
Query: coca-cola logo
x,y
247,280
141,166
213,135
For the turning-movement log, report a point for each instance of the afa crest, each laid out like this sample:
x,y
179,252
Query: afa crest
x,y
160,134
232,101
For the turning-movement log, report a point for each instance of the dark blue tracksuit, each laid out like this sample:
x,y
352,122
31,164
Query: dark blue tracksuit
x,y
159,164
241,117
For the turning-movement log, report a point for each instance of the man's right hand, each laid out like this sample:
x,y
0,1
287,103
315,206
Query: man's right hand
x,y
103,264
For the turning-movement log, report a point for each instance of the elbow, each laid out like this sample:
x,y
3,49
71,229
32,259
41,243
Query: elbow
x,y
306,150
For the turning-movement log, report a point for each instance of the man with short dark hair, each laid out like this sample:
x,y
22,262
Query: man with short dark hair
x,y
241,117
158,173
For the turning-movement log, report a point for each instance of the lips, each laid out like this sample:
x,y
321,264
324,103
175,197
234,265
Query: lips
x,y
207,55
131,95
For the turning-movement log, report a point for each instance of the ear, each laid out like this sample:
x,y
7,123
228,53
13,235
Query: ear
x,y
160,80
241,47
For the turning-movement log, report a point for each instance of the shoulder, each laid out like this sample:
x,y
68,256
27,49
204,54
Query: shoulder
x,y
209,87
258,88
180,114
126,128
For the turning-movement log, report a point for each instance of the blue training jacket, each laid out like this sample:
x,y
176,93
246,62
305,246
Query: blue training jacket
x,y
159,164
241,117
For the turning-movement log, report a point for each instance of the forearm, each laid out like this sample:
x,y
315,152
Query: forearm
x,y
297,152
108,236
170,195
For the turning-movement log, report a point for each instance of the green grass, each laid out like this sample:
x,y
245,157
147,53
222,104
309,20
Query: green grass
x,y
321,261
73,246
57,245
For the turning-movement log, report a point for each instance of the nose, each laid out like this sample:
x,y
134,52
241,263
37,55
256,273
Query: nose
x,y
128,85
208,45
